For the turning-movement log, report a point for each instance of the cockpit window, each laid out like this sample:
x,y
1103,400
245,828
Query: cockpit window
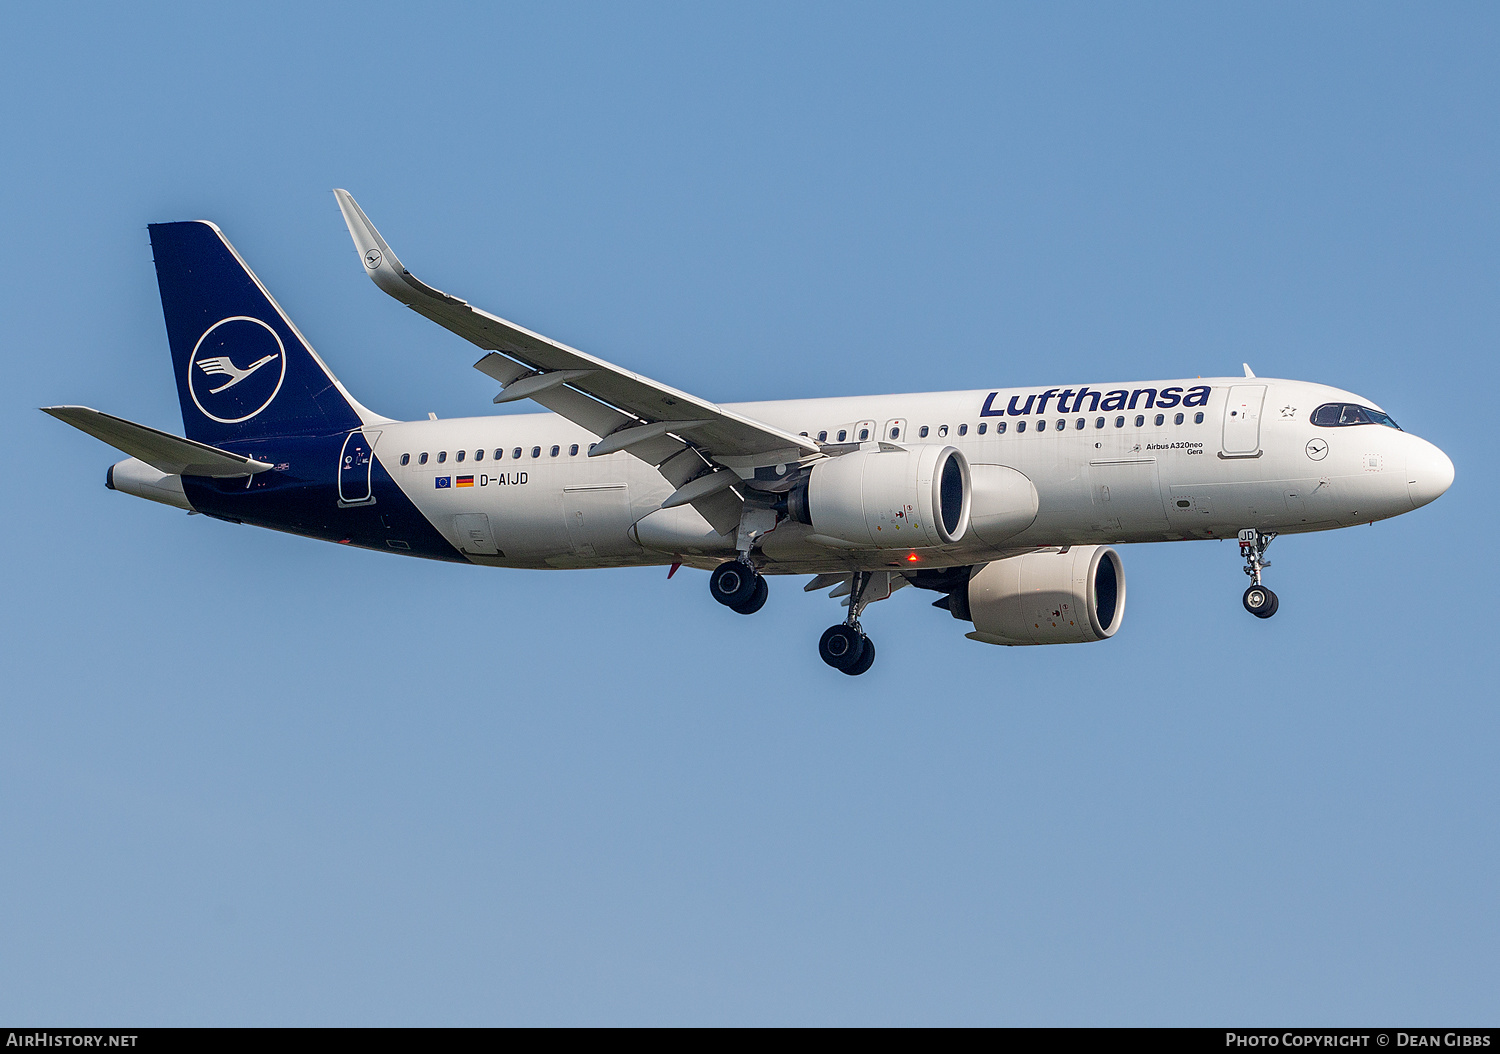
x,y
1337,415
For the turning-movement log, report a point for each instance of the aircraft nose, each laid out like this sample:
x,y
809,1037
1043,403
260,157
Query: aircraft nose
x,y
1429,473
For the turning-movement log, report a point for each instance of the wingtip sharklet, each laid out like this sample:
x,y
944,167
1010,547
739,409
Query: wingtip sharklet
x,y
382,265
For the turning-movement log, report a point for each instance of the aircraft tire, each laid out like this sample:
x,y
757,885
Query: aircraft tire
x,y
733,583
1261,602
757,599
866,659
841,646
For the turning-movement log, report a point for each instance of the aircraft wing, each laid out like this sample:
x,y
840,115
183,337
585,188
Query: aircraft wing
x,y
685,437
161,450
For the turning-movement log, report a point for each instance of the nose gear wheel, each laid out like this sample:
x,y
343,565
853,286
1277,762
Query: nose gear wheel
x,y
1258,600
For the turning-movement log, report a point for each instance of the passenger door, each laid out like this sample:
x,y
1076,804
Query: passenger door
x,y
356,461
1242,420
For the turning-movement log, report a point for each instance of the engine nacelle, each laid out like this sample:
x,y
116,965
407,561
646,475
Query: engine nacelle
x,y
893,498
1049,598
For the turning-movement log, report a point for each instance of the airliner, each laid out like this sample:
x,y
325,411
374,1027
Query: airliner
x,y
1006,502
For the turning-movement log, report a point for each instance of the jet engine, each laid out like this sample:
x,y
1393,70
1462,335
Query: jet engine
x,y
892,498
1059,597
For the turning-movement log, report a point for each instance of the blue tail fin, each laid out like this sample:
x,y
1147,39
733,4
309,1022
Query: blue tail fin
x,y
243,371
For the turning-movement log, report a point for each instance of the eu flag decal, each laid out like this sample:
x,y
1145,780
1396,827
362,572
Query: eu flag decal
x,y
443,482
465,481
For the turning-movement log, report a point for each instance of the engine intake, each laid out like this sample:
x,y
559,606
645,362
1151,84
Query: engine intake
x,y
1069,597
893,498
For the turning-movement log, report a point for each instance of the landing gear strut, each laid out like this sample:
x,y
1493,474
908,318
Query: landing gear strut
x,y
845,646
1258,600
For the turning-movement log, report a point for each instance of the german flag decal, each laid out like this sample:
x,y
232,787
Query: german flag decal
x,y
465,481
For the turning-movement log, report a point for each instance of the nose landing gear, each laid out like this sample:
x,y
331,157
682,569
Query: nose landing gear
x,y
1258,600
845,646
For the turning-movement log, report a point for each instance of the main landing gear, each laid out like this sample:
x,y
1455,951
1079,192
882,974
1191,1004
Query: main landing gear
x,y
1258,600
739,587
845,646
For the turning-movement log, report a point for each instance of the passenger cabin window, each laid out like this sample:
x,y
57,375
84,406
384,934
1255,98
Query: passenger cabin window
x,y
516,452
536,451
1119,422
442,456
1177,419
942,431
479,455
843,435
460,455
922,432
823,436
422,458
999,428
896,432
573,450
1140,420
1338,415
1080,423
1198,418
1098,422
499,453
555,451
984,426
1020,426
406,459
1161,419
963,430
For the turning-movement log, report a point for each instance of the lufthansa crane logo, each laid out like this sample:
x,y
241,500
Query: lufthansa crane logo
x,y
372,258
236,369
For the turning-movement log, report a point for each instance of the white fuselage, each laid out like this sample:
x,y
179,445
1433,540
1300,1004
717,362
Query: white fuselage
x,y
1147,473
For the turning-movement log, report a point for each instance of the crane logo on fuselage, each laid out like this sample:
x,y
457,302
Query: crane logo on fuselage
x,y
223,389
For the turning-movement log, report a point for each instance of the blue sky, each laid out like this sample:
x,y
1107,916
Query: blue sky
x,y
247,778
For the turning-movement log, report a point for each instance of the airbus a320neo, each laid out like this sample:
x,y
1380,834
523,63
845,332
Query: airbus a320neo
x,y
1003,500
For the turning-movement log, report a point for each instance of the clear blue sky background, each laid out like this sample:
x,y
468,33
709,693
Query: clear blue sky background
x,y
249,778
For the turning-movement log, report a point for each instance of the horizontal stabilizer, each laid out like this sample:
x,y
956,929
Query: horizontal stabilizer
x,y
161,450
